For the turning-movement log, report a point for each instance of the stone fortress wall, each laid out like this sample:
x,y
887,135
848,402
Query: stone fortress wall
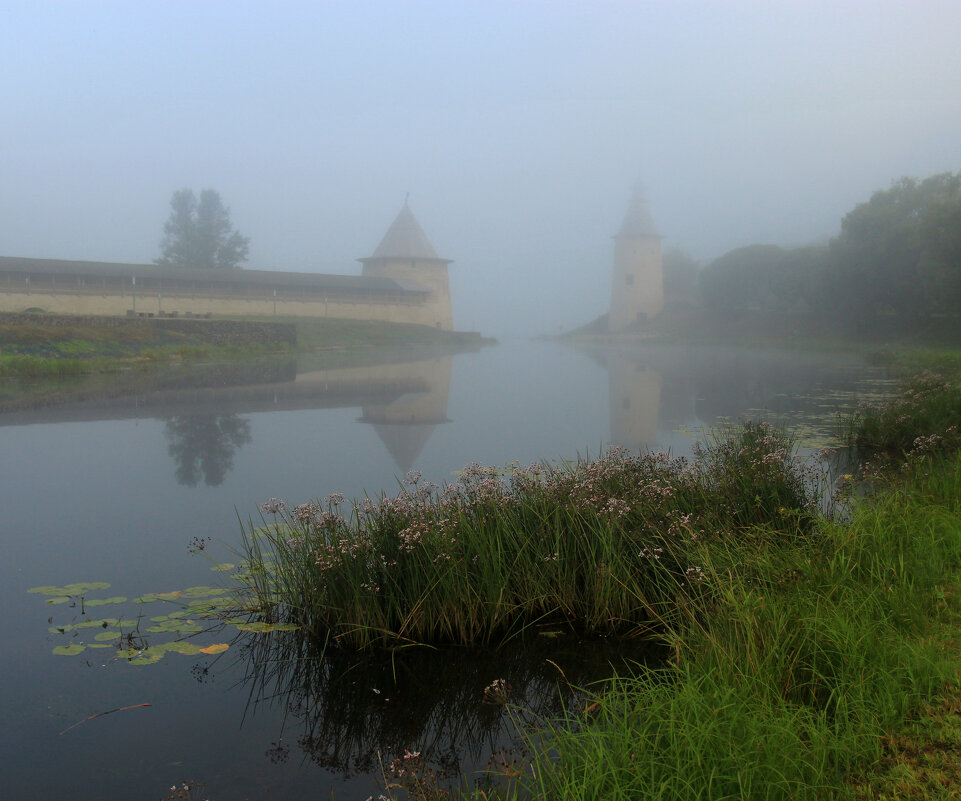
x,y
403,282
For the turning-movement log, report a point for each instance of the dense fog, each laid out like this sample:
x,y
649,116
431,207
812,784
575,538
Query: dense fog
x,y
518,130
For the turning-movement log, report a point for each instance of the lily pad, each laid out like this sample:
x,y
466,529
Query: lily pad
x,y
107,636
203,592
264,627
93,624
69,650
181,647
177,626
70,589
61,600
216,648
224,566
117,599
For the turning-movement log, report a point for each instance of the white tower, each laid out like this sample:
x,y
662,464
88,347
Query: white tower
x,y
637,292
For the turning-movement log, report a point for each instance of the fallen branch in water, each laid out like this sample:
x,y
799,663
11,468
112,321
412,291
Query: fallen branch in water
x,y
101,714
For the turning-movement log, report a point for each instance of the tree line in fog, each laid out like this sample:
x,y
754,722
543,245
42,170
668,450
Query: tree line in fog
x,y
898,255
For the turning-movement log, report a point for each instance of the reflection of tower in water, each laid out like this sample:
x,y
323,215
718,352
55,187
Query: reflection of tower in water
x,y
406,423
635,398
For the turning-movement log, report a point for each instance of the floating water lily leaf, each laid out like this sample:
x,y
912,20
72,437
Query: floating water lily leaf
x,y
106,636
178,626
117,599
262,627
70,589
69,650
92,624
181,647
148,657
62,600
100,645
203,592
224,566
216,648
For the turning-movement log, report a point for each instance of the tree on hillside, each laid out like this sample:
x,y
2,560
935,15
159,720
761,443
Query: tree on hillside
x,y
200,234
901,251
765,278
680,277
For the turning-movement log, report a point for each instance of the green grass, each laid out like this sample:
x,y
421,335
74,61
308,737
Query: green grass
x,y
788,671
63,351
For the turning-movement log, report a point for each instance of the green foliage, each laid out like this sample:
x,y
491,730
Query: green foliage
x,y
897,260
901,251
200,235
764,277
924,417
680,277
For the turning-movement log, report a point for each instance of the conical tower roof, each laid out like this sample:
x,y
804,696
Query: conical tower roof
x,y
638,222
405,239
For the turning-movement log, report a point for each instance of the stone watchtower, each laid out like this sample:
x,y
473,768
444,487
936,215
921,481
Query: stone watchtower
x,y
406,255
637,292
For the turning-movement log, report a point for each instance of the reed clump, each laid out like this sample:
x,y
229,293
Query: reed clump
x,y
921,419
610,545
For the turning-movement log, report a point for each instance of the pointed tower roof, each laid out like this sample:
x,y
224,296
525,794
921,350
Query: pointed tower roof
x,y
638,222
405,239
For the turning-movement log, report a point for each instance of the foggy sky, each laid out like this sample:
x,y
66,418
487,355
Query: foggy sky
x,y
517,127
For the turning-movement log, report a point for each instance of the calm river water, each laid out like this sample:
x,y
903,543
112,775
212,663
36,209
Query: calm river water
x,y
114,484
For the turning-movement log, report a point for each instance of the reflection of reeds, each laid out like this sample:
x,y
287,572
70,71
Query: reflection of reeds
x,y
353,708
597,546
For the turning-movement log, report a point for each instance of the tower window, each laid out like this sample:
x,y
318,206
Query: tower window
x,y
629,278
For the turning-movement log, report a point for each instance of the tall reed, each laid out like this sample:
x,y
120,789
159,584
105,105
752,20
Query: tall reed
x,y
609,545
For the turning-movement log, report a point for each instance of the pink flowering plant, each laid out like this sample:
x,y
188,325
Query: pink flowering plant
x,y
607,545
923,417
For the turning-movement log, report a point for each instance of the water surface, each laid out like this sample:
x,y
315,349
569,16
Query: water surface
x,y
114,484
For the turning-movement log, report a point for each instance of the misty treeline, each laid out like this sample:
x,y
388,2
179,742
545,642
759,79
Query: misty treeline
x,y
898,255
199,234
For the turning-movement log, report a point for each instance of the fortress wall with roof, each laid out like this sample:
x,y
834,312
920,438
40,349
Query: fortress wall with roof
x,y
112,303
403,282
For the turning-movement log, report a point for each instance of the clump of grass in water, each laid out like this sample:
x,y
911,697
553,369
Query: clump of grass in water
x,y
922,418
609,545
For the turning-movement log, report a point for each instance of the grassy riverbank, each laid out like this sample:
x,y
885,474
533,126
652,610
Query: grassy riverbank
x,y
40,349
815,668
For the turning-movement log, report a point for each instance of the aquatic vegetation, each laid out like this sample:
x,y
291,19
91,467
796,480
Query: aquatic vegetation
x,y
924,417
203,611
604,546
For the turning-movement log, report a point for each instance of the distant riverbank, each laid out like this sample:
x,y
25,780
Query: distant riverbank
x,y
41,345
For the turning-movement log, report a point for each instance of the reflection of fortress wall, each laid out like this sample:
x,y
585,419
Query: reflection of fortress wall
x,y
635,397
404,401
637,291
